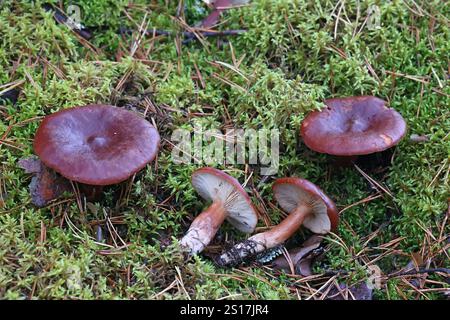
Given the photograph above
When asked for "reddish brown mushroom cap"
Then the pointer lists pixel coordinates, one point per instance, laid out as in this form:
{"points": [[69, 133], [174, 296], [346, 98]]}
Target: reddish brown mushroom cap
{"points": [[96, 144], [353, 126], [292, 192], [213, 184]]}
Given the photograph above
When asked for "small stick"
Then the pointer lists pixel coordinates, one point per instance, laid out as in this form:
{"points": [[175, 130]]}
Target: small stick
{"points": [[187, 34]]}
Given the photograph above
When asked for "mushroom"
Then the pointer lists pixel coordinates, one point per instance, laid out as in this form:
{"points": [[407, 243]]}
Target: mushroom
{"points": [[307, 205], [229, 201], [96, 145], [353, 126]]}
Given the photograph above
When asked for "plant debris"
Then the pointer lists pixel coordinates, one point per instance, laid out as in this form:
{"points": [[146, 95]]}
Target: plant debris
{"points": [[218, 7], [62, 18], [269, 255], [46, 185], [187, 35], [418, 138], [293, 56]]}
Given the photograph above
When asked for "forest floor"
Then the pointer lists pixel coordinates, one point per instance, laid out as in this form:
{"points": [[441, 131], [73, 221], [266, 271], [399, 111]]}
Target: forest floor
{"points": [[294, 54]]}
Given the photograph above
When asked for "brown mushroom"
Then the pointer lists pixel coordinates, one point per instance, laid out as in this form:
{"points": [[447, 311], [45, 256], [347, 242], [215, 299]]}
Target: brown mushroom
{"points": [[307, 205], [96, 145], [229, 201], [353, 126]]}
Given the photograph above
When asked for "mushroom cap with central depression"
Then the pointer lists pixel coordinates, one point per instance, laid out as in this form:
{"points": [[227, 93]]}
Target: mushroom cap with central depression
{"points": [[353, 126], [96, 144], [293, 192], [215, 185]]}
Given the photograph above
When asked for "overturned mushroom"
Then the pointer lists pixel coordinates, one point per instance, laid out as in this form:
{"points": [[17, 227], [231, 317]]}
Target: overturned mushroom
{"points": [[307, 205], [229, 201], [96, 145], [353, 126]]}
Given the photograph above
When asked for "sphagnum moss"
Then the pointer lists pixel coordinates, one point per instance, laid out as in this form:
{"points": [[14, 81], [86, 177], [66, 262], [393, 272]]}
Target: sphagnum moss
{"points": [[295, 54]]}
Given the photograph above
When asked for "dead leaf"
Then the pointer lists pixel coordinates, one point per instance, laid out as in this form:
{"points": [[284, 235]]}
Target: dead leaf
{"points": [[417, 259], [2, 199], [46, 185], [31, 164], [11, 95], [301, 257], [356, 292], [304, 267]]}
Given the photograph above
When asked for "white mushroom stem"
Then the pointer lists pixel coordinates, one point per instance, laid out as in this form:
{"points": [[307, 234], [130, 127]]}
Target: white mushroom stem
{"points": [[266, 240], [204, 228]]}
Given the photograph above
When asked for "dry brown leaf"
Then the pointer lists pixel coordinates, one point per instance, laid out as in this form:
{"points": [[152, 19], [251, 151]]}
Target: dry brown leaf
{"points": [[300, 257], [46, 185]]}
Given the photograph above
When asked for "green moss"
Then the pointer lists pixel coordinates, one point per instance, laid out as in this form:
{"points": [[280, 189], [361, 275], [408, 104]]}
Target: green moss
{"points": [[287, 69]]}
